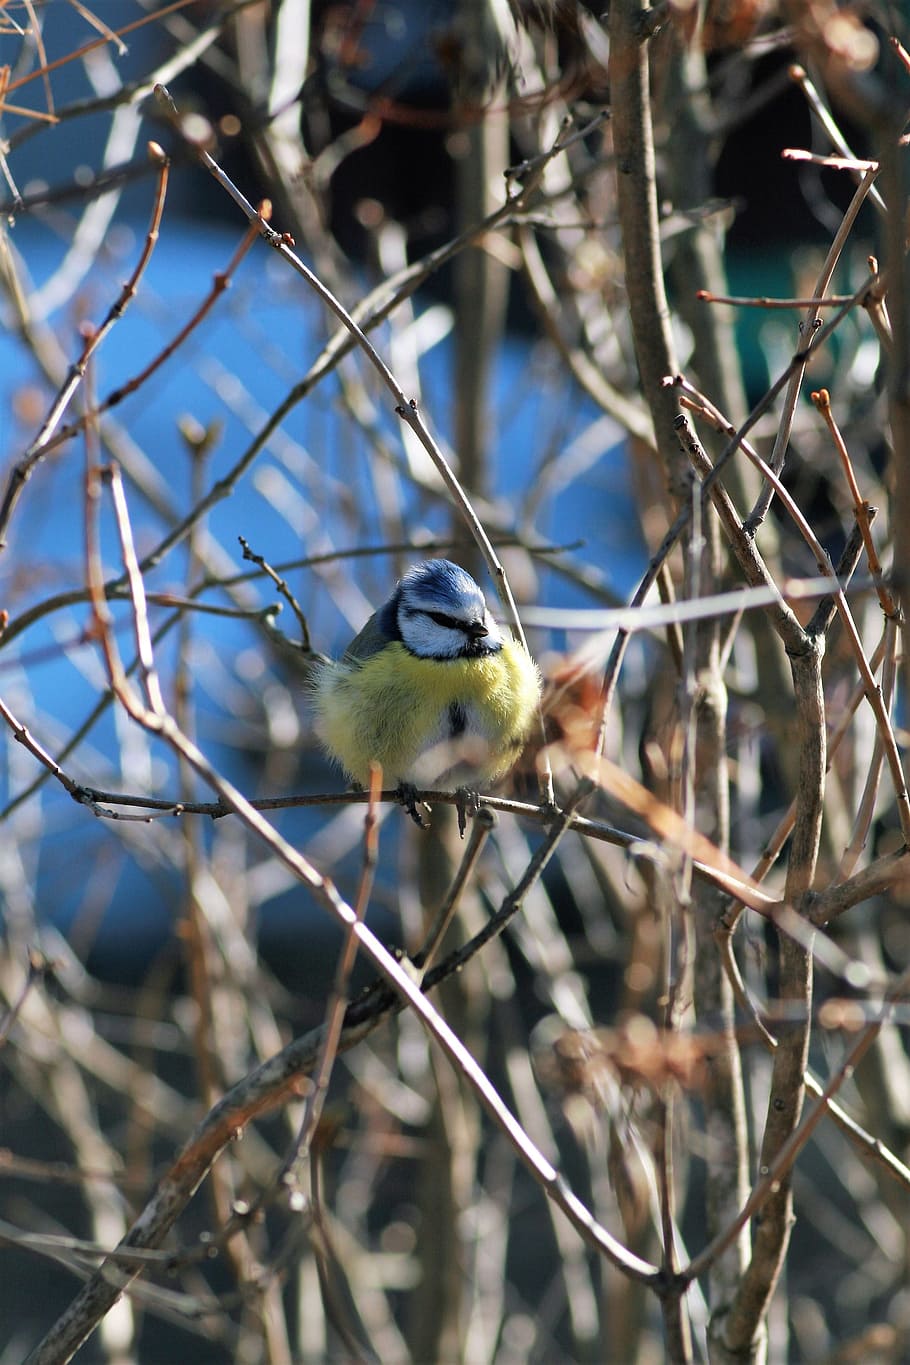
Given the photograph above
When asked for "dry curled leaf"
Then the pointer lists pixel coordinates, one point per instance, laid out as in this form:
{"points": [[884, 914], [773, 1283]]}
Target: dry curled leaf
{"points": [[636, 1053]]}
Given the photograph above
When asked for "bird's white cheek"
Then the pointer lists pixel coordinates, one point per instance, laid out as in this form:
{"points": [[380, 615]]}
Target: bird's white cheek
{"points": [[429, 640]]}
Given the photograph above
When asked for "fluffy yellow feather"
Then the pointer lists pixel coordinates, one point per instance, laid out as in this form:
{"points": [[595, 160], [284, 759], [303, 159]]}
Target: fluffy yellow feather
{"points": [[461, 720]]}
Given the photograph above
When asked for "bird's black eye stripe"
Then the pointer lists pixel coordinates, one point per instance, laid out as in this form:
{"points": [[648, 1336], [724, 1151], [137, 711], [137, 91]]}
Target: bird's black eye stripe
{"points": [[450, 622]]}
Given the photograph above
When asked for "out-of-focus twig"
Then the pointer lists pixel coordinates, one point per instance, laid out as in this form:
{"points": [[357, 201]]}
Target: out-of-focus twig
{"points": [[43, 442]]}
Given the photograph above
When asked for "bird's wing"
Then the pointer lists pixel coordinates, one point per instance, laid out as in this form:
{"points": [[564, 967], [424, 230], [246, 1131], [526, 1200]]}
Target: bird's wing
{"points": [[370, 640]]}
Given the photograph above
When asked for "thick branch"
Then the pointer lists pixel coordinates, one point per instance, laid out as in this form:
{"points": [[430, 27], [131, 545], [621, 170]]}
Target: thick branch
{"points": [[636, 190]]}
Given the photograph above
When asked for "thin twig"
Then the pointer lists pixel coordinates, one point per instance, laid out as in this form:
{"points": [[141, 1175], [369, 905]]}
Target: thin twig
{"points": [[38, 967], [220, 283], [808, 325], [43, 443], [821, 111], [482, 827], [785, 1158]]}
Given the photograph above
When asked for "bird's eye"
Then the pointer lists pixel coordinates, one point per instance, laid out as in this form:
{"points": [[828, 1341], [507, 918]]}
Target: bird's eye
{"points": [[442, 619]]}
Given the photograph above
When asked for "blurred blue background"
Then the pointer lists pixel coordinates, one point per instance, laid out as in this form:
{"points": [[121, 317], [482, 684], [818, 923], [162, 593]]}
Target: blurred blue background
{"points": [[312, 490]]}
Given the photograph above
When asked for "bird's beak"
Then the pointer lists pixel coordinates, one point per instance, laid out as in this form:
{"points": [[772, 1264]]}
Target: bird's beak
{"points": [[477, 630]]}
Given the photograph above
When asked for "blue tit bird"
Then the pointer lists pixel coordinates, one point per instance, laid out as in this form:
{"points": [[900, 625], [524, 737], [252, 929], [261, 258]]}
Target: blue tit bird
{"points": [[432, 689]]}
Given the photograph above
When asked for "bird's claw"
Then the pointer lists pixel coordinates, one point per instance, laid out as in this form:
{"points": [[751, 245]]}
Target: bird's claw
{"points": [[466, 803], [407, 795]]}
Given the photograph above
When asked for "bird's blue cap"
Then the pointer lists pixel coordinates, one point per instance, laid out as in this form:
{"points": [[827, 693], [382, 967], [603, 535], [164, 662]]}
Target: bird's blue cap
{"points": [[446, 583]]}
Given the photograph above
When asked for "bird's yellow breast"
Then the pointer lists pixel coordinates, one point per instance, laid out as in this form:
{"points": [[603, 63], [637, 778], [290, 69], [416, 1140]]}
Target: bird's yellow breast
{"points": [[403, 712]]}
